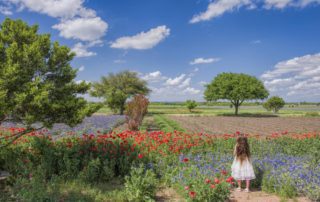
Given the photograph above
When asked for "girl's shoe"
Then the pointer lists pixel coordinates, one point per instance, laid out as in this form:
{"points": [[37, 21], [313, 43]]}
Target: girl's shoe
{"points": [[247, 190], [238, 189]]}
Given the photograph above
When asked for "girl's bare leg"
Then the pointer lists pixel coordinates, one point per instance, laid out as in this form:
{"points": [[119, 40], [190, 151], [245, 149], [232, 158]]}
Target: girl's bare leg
{"points": [[239, 184], [248, 184]]}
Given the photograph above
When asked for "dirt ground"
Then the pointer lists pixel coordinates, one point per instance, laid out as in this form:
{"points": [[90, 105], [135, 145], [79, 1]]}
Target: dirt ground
{"points": [[170, 195], [250, 125]]}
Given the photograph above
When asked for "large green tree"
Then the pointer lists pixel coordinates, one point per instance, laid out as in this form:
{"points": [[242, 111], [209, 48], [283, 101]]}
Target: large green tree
{"points": [[36, 80], [117, 88], [235, 87]]}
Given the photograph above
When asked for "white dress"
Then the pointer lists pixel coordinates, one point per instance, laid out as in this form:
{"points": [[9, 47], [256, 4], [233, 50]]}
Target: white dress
{"points": [[242, 171]]}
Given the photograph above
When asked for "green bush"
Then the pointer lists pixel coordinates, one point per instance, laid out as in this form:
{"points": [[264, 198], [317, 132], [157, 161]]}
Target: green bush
{"points": [[312, 114], [141, 184]]}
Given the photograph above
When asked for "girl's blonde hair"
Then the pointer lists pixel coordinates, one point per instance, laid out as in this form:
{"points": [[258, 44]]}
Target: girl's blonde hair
{"points": [[242, 149]]}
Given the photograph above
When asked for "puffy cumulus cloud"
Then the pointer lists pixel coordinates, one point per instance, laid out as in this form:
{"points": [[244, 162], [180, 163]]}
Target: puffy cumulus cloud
{"points": [[75, 20], [277, 3], [55, 8], [219, 7], [166, 88], [81, 49], [296, 77], [153, 77], [85, 29], [5, 10], [204, 61], [191, 91], [175, 81], [143, 40]]}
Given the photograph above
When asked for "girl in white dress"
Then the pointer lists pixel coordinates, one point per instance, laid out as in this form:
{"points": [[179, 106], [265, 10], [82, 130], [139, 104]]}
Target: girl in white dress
{"points": [[241, 167]]}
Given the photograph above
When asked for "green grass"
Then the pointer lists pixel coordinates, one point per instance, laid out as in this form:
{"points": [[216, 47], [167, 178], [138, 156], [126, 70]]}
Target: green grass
{"points": [[70, 190], [166, 124]]}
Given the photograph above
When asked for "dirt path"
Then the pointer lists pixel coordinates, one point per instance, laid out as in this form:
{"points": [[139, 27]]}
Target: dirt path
{"points": [[259, 196], [170, 195]]}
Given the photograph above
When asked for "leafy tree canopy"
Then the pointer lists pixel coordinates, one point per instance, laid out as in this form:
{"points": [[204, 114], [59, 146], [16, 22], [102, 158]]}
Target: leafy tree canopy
{"points": [[36, 80], [236, 88], [117, 88], [274, 103], [191, 104]]}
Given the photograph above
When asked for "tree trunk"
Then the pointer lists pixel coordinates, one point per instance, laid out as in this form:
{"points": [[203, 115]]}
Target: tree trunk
{"points": [[236, 107], [121, 110]]}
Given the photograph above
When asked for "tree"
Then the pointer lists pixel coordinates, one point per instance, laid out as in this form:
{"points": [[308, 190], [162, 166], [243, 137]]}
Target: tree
{"points": [[117, 88], [236, 88], [191, 104], [274, 103], [36, 80], [136, 109]]}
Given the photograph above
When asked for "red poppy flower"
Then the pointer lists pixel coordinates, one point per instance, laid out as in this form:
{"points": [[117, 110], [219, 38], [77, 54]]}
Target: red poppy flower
{"points": [[216, 180], [192, 194], [140, 156], [186, 188], [207, 181], [212, 186], [185, 160], [224, 172]]}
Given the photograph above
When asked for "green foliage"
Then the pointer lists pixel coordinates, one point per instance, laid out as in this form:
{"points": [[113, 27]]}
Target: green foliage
{"points": [[312, 114], [36, 79], [235, 87], [141, 184], [117, 88], [166, 124], [274, 103], [191, 104]]}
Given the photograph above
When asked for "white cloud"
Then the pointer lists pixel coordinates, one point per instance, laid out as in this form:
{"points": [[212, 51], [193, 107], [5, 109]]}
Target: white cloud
{"points": [[191, 91], [5, 10], [75, 20], [185, 83], [175, 81], [143, 40], [154, 77], [85, 29], [81, 50], [218, 8], [277, 3], [204, 61], [81, 68], [55, 8], [299, 77]]}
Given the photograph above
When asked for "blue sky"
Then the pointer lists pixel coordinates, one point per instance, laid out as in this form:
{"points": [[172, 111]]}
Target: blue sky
{"points": [[178, 46]]}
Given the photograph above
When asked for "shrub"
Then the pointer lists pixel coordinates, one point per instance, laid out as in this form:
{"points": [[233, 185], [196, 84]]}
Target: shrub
{"points": [[191, 104], [274, 103], [141, 184], [137, 108], [312, 114]]}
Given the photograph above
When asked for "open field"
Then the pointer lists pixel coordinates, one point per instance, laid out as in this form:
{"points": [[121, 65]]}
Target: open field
{"points": [[250, 125], [251, 110], [300, 110]]}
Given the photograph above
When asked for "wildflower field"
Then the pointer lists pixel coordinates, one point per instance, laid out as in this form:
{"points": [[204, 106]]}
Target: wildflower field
{"points": [[196, 165]]}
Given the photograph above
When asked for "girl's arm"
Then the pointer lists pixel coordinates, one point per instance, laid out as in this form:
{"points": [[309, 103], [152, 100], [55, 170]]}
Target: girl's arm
{"points": [[235, 150]]}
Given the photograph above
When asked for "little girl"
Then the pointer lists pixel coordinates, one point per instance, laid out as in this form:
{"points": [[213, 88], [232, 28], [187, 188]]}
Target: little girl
{"points": [[241, 167]]}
